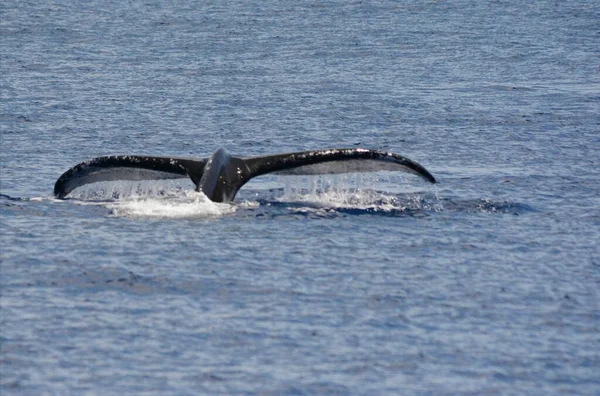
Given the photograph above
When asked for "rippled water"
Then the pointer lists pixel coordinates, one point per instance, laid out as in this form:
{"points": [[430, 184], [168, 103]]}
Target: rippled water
{"points": [[487, 282]]}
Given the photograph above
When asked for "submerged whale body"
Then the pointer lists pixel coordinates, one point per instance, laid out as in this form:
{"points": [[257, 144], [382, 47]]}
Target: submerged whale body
{"points": [[221, 175]]}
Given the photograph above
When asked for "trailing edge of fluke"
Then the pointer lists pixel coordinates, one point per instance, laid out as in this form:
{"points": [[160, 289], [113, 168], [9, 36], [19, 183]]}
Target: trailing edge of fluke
{"points": [[221, 176]]}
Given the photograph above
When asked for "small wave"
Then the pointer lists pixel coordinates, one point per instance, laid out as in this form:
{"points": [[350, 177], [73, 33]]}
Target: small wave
{"points": [[486, 205]]}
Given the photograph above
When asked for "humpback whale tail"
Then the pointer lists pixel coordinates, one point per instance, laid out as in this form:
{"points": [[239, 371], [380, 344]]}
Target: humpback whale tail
{"points": [[221, 175]]}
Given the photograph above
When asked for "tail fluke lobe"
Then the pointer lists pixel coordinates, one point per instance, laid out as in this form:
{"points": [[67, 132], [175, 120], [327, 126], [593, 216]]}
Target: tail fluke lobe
{"points": [[334, 161], [127, 167]]}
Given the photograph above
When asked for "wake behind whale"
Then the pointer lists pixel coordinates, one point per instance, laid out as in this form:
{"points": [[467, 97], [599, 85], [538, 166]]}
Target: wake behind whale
{"points": [[221, 176]]}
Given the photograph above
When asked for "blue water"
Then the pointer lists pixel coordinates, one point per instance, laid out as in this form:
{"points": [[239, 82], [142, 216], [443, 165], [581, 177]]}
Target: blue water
{"points": [[488, 283]]}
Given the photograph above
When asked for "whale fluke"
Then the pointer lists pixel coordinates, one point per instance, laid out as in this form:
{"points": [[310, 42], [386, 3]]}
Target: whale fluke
{"points": [[221, 176], [350, 160]]}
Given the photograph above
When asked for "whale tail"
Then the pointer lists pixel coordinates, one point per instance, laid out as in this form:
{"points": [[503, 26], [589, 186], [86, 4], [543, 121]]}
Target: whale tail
{"points": [[221, 176]]}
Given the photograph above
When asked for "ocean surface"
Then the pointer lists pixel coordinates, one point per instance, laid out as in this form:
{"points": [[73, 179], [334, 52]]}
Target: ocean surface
{"points": [[486, 283]]}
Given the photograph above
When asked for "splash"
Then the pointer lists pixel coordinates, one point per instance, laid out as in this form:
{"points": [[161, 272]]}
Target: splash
{"points": [[187, 204], [360, 191], [150, 200], [329, 194]]}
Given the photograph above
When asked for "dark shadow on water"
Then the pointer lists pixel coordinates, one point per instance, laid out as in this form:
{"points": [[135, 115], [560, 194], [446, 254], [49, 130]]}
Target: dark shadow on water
{"points": [[414, 205], [274, 209]]}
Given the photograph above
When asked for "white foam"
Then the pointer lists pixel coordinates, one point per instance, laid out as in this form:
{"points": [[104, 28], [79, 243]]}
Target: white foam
{"points": [[150, 199], [185, 204]]}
